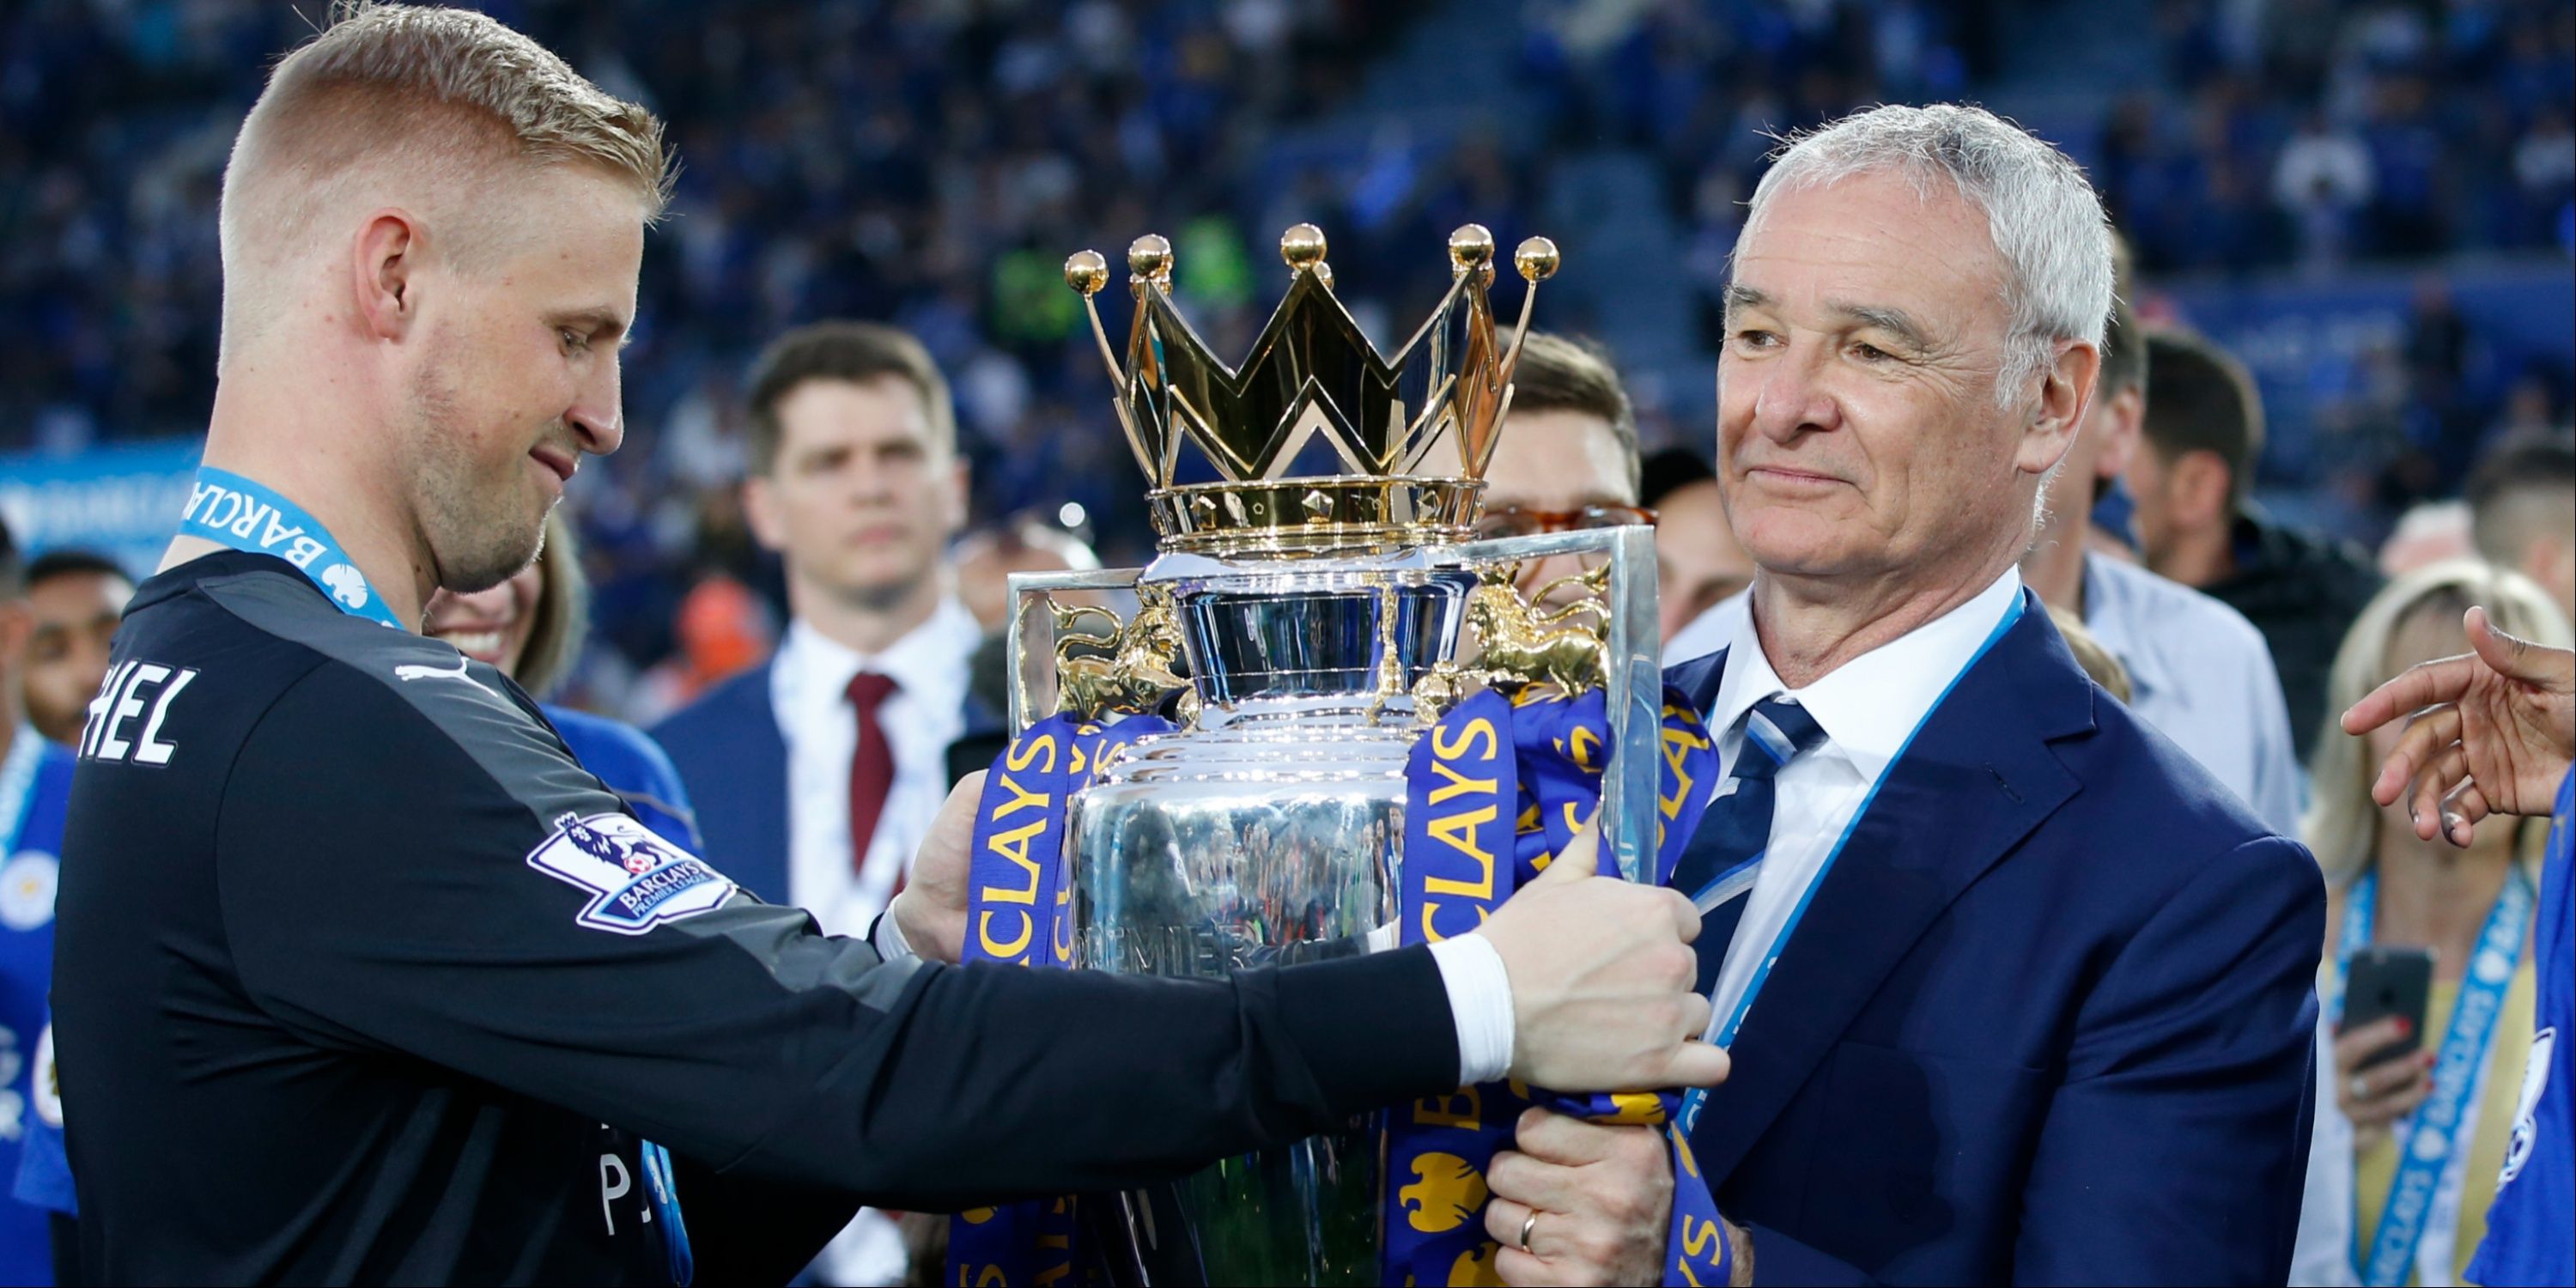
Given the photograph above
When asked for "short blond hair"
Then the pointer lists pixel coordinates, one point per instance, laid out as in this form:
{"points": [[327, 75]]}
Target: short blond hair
{"points": [[434, 93]]}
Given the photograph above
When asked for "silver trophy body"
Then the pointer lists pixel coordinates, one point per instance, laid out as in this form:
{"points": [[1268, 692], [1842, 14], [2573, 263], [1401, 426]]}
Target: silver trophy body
{"points": [[1305, 627], [1270, 830]]}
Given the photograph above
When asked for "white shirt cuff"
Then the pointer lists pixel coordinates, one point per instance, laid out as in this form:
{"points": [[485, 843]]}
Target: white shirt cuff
{"points": [[1480, 1003], [887, 938]]}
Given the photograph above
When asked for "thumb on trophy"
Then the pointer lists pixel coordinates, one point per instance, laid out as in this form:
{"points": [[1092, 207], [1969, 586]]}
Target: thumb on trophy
{"points": [[1580, 859], [930, 911]]}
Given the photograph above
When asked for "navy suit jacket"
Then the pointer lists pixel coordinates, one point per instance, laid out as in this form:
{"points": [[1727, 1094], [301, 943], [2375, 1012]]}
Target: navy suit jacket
{"points": [[733, 759], [2048, 1020]]}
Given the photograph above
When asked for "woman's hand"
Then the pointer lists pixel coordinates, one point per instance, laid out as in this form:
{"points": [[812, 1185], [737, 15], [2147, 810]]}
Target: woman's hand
{"points": [[2377, 1095]]}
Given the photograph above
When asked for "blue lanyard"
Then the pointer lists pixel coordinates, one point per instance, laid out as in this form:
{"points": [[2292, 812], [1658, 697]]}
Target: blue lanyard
{"points": [[1721, 1032], [2428, 1138], [666, 1201], [17, 786], [243, 514]]}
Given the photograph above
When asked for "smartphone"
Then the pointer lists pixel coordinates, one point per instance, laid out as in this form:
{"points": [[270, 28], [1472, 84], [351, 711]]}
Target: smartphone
{"points": [[2384, 980]]}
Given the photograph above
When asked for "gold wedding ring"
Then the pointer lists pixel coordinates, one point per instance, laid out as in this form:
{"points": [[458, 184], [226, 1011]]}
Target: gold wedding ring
{"points": [[1528, 1223]]}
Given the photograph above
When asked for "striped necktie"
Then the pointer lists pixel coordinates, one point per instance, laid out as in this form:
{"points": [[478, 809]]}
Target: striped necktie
{"points": [[1723, 857]]}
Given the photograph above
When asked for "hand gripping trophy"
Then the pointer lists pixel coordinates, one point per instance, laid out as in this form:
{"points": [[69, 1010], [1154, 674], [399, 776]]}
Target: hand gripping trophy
{"points": [[1330, 722]]}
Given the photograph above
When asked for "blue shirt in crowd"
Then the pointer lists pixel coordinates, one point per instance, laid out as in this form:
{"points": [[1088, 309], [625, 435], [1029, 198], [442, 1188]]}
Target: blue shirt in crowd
{"points": [[635, 767], [2202, 675], [35, 786], [2531, 1227]]}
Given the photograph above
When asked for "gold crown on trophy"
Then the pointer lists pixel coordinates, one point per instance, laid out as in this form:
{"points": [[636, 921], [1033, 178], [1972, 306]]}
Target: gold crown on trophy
{"points": [[1413, 432]]}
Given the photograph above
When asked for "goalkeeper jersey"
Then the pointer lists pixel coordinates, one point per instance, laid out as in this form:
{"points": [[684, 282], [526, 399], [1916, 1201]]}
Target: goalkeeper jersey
{"points": [[364, 979]]}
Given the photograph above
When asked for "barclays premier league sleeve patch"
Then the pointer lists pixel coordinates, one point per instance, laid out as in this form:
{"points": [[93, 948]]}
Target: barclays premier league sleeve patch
{"points": [[638, 880]]}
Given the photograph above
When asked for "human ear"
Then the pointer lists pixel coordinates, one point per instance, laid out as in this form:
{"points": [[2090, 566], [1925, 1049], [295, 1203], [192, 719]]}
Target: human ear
{"points": [[384, 264], [17, 625], [2065, 395], [761, 514], [956, 483], [2199, 489]]}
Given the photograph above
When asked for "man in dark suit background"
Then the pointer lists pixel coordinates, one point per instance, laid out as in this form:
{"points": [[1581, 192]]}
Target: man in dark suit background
{"points": [[2015, 992], [818, 772]]}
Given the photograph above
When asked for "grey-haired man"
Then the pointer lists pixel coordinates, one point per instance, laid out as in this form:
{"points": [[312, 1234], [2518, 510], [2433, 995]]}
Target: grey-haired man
{"points": [[2014, 990]]}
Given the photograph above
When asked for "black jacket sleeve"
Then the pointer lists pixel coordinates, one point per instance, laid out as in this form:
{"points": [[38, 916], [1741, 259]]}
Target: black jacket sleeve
{"points": [[744, 1229], [380, 893]]}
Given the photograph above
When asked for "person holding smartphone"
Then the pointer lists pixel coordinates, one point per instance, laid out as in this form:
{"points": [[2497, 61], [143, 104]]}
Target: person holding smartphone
{"points": [[2493, 731], [2429, 975]]}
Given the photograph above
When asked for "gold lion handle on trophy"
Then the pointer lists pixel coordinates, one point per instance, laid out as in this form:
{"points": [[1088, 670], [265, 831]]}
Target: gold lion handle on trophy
{"points": [[1525, 644], [1127, 668]]}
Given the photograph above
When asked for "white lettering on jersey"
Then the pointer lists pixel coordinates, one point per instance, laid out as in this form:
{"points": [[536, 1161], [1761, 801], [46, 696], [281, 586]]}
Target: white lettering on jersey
{"points": [[129, 704], [129, 687], [149, 749], [614, 1182], [98, 706]]}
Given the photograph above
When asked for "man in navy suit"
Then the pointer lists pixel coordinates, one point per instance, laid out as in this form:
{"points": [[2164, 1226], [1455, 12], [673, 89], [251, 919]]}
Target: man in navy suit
{"points": [[854, 481], [2015, 992], [817, 774]]}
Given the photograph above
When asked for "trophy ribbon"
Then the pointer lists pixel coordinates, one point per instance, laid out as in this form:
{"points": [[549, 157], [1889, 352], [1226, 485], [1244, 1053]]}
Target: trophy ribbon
{"points": [[1544, 753], [1018, 913]]}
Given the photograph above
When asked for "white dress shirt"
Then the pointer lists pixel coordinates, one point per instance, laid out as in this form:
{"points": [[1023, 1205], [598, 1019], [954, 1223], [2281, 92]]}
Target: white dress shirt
{"points": [[2202, 676], [1869, 708], [2199, 674], [808, 689], [1712, 630]]}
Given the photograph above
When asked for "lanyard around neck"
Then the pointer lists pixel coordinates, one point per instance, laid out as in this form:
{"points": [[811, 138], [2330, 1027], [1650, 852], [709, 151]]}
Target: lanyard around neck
{"points": [[2428, 1140], [245, 514]]}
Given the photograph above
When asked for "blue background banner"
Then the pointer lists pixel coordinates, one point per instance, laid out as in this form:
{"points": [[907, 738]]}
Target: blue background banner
{"points": [[122, 502]]}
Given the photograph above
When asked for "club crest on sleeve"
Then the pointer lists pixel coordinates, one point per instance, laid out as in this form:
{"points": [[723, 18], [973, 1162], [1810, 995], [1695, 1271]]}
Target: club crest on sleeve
{"points": [[637, 879]]}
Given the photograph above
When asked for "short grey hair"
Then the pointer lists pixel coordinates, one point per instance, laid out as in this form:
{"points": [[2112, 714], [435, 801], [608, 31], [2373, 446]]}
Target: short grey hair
{"points": [[2046, 220]]}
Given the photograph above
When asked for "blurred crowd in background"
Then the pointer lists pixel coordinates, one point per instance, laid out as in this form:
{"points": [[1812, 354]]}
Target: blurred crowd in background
{"points": [[931, 162]]}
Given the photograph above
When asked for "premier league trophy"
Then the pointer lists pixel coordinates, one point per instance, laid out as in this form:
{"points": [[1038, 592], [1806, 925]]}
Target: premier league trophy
{"points": [[1247, 746]]}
